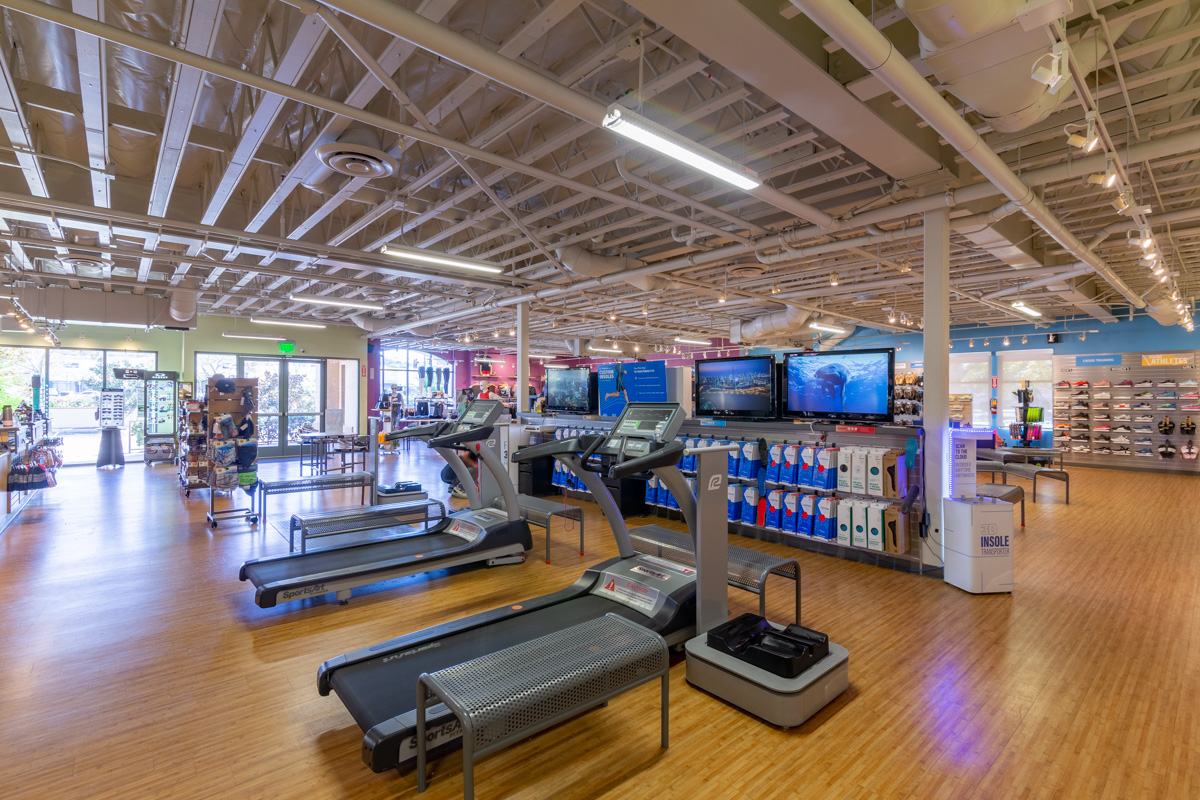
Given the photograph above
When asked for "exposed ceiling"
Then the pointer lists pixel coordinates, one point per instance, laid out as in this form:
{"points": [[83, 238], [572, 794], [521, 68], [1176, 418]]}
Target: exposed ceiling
{"points": [[293, 142]]}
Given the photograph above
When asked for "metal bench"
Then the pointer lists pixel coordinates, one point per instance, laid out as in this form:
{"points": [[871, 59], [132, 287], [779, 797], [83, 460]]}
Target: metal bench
{"points": [[1033, 473], [1010, 493], [313, 483], [317, 524], [748, 569], [506, 696], [539, 511]]}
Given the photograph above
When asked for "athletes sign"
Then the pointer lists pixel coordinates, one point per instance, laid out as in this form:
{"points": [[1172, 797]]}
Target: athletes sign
{"points": [[1167, 360]]}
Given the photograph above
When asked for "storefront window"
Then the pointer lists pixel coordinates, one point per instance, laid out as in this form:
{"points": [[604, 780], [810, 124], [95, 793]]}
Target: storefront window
{"points": [[416, 373]]}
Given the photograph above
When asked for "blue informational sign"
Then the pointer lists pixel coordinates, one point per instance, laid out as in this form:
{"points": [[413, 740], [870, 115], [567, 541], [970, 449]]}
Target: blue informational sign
{"points": [[635, 381], [1097, 361]]}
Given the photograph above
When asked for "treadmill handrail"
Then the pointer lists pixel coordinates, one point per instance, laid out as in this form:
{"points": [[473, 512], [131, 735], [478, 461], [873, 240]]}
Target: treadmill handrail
{"points": [[416, 432], [455, 438], [554, 447]]}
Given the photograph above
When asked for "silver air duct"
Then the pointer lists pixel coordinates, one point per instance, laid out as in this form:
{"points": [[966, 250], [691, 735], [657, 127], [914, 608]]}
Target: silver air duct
{"points": [[593, 265]]}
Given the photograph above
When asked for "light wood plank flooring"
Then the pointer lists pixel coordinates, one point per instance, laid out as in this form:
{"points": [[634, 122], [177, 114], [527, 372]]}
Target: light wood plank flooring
{"points": [[136, 665]]}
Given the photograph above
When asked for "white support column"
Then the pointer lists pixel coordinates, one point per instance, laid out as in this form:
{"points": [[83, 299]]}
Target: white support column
{"points": [[522, 390], [937, 368]]}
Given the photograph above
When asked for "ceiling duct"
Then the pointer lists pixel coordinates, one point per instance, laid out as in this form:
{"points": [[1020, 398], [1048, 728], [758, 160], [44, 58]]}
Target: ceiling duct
{"points": [[373, 324], [1160, 308], [357, 153], [983, 56], [788, 322], [182, 306], [593, 265], [88, 306], [77, 263]]}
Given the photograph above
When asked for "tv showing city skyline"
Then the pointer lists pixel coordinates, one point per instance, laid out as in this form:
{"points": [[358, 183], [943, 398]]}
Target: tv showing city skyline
{"points": [[740, 387]]}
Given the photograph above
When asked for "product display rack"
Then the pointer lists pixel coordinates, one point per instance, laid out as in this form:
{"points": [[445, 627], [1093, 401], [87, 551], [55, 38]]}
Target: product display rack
{"points": [[160, 396], [231, 403], [193, 441], [1094, 416], [908, 393]]}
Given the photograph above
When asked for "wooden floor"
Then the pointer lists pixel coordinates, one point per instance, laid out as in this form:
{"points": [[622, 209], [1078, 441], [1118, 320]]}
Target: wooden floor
{"points": [[135, 665]]}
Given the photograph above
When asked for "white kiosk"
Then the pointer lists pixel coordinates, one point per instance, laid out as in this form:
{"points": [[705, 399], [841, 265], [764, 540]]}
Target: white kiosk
{"points": [[977, 531]]}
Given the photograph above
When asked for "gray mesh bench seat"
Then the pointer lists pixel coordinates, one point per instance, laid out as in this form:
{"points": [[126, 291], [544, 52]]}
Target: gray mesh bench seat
{"points": [[317, 524], [506, 696], [748, 569], [1033, 472], [1008, 492], [314, 483], [539, 511]]}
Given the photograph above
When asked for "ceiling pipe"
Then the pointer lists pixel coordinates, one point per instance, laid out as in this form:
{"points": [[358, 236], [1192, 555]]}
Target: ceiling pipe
{"points": [[875, 52], [425, 33], [184, 298], [777, 322], [593, 265], [1056, 278]]}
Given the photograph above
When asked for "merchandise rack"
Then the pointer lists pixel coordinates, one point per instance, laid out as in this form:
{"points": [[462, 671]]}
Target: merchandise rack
{"points": [[219, 403], [1130, 368]]}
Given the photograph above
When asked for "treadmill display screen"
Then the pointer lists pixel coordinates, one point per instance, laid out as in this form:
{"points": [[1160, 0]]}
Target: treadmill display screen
{"points": [[644, 423], [476, 414]]}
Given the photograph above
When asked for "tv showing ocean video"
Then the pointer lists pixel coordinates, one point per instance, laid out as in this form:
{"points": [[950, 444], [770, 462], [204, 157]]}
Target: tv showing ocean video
{"points": [[854, 385], [567, 390], [736, 387]]}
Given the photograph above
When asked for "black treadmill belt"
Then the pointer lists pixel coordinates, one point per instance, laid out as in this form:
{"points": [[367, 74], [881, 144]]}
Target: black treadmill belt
{"points": [[360, 556], [386, 686]]}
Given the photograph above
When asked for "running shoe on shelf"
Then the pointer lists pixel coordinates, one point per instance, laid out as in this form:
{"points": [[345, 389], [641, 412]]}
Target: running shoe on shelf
{"points": [[1166, 396], [1142, 395], [1165, 384], [1143, 384], [1083, 395], [1120, 440], [1125, 383], [1121, 451], [1082, 448], [1142, 407], [1122, 429], [1102, 396], [1101, 384], [1167, 407], [1080, 383], [1063, 385], [1104, 451], [1146, 452], [1189, 382], [1142, 440]]}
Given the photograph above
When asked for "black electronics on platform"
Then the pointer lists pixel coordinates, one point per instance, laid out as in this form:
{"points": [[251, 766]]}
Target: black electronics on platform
{"points": [[572, 391], [841, 386], [741, 387]]}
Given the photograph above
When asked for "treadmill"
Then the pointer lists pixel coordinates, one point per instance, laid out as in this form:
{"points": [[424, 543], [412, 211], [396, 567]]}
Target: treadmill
{"points": [[378, 684], [470, 536]]}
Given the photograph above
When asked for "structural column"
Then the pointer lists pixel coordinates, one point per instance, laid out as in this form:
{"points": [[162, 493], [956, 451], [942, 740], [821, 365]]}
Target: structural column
{"points": [[522, 390], [937, 368]]}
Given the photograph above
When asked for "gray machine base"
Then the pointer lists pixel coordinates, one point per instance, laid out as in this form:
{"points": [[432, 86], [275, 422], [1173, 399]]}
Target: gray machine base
{"points": [[780, 701]]}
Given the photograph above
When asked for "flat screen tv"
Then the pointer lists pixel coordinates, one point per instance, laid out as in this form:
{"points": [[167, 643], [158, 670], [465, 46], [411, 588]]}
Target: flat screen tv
{"points": [[739, 388], [849, 386], [571, 391]]}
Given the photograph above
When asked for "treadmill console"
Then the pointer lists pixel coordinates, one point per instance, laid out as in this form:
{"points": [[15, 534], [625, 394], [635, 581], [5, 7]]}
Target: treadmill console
{"points": [[475, 423], [640, 427]]}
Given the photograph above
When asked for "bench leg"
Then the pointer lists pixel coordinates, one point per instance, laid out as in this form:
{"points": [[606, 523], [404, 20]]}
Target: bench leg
{"points": [[580, 533], [1022, 512], [1067, 486], [666, 724], [1035, 487], [547, 541], [798, 622], [468, 740]]}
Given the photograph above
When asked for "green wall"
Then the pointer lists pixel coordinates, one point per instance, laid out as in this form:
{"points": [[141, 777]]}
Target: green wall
{"points": [[176, 350]]}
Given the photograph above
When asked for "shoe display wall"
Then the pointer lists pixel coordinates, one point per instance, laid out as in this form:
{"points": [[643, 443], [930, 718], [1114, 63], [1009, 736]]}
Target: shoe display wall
{"points": [[1133, 400]]}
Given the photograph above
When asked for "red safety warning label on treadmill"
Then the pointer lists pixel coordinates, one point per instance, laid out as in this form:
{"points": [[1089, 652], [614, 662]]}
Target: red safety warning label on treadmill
{"points": [[629, 592]]}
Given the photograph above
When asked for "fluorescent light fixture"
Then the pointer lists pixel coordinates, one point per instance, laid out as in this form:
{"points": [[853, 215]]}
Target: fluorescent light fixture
{"points": [[266, 337], [821, 326], [1019, 305], [488, 360], [286, 323], [321, 300], [438, 259], [557, 366], [701, 342], [595, 349], [624, 122]]}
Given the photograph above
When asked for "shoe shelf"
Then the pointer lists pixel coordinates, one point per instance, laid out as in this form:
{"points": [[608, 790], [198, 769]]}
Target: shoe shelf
{"points": [[1140, 413]]}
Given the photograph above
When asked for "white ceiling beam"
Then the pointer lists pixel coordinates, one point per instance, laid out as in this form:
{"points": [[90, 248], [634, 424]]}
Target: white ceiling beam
{"points": [[93, 95], [201, 22], [295, 61]]}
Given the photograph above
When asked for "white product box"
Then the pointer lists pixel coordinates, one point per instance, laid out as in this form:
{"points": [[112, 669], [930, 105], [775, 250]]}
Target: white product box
{"points": [[858, 522], [875, 471], [875, 512], [858, 471], [845, 464]]}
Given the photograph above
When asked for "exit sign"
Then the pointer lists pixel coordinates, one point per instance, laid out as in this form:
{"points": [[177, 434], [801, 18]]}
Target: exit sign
{"points": [[287, 347]]}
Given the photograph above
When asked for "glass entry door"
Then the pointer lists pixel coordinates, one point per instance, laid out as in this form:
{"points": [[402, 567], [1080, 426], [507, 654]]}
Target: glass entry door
{"points": [[290, 399]]}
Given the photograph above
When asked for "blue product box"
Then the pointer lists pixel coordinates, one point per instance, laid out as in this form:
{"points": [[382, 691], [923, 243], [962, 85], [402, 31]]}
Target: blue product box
{"points": [[664, 495], [774, 462], [825, 525], [804, 470], [735, 459], [688, 462], [825, 474], [733, 503], [558, 477], [652, 491], [791, 512], [774, 518], [750, 505], [808, 512], [749, 463], [789, 470]]}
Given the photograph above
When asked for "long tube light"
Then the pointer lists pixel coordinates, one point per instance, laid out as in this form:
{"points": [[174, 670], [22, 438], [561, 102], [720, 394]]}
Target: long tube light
{"points": [[557, 366], [624, 122], [595, 349], [266, 337], [286, 323], [1019, 305], [321, 300], [821, 326], [702, 342], [438, 260]]}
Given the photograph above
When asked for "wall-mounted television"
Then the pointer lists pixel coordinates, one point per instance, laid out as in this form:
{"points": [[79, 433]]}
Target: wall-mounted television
{"points": [[571, 391], [742, 387], [851, 385]]}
